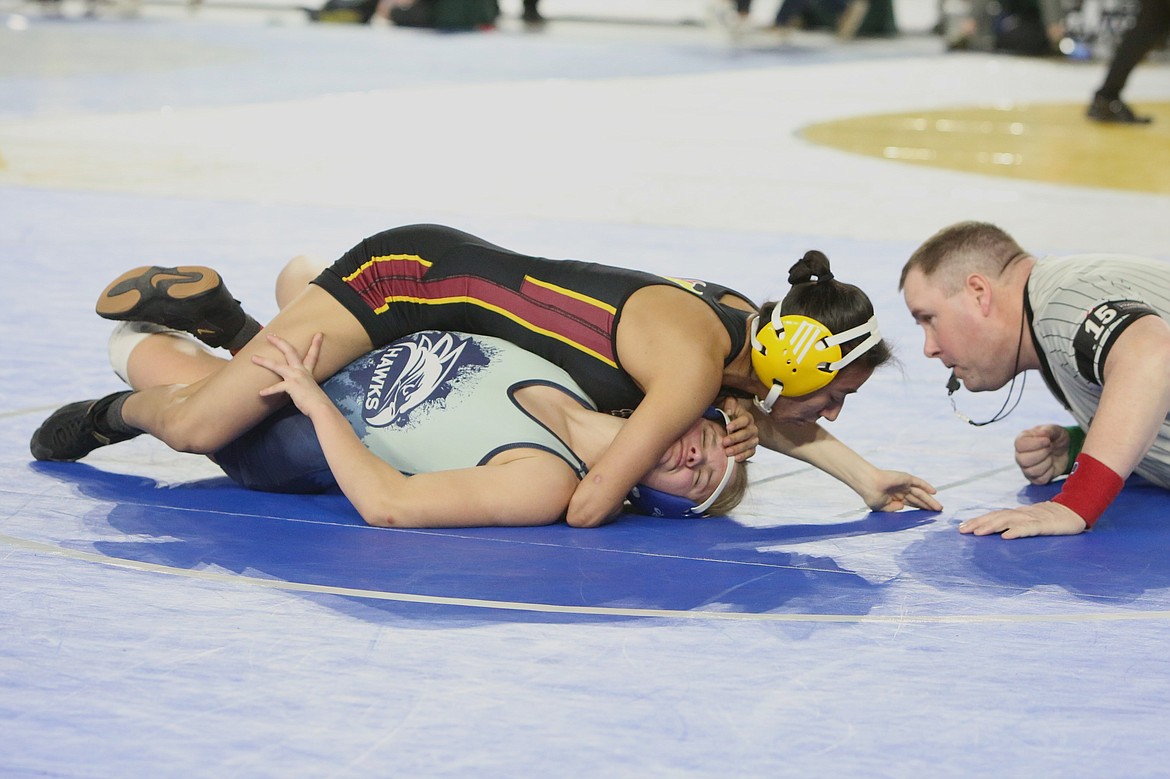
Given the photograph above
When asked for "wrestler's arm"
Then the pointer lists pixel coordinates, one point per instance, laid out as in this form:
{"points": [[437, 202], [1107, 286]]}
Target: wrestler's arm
{"points": [[659, 420], [532, 488], [743, 435], [529, 488], [1135, 400], [882, 490], [678, 362]]}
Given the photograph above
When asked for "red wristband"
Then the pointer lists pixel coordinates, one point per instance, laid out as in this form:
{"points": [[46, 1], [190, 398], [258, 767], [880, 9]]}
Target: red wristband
{"points": [[1090, 488]]}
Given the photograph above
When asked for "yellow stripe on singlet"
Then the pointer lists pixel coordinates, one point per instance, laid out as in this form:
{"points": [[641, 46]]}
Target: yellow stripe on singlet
{"points": [[572, 294], [690, 285], [385, 258], [502, 312]]}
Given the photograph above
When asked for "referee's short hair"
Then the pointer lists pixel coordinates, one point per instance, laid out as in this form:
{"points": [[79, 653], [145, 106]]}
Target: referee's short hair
{"points": [[965, 247]]}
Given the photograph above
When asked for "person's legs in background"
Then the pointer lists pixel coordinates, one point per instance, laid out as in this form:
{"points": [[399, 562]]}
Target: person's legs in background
{"points": [[1149, 29], [531, 14]]}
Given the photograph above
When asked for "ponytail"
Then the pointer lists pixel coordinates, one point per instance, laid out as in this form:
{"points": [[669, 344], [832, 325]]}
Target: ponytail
{"points": [[838, 306], [813, 267]]}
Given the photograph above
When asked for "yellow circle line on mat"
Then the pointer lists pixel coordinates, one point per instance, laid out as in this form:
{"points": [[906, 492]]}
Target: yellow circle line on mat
{"points": [[548, 608], [1055, 144]]}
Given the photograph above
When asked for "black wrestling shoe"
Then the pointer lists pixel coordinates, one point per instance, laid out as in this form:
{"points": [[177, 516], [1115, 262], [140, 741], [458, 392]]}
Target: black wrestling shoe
{"points": [[71, 433], [189, 298], [1102, 109]]}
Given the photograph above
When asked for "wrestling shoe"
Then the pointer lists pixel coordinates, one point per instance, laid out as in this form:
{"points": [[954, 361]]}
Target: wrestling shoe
{"points": [[1102, 109], [71, 433], [190, 298]]}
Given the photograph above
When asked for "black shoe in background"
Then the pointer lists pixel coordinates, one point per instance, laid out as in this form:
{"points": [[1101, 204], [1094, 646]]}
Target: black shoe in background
{"points": [[1103, 109]]}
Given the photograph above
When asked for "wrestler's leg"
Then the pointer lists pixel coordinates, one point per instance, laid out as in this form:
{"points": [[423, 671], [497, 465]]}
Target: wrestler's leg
{"points": [[204, 416], [295, 276], [147, 355]]}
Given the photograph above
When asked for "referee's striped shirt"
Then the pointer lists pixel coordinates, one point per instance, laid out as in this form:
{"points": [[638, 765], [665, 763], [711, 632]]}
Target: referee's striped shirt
{"points": [[1080, 305]]}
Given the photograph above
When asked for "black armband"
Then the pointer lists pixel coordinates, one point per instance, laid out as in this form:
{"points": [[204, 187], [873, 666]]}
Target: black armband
{"points": [[1099, 331]]}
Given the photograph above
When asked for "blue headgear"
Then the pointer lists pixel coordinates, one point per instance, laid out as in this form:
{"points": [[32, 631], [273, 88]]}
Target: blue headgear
{"points": [[656, 503]]}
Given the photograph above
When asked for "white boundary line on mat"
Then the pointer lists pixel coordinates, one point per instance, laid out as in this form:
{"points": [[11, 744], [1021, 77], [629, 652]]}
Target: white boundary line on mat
{"points": [[547, 608]]}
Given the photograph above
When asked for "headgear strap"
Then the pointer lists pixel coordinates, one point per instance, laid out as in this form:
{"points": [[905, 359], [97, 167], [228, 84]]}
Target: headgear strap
{"points": [[656, 503], [761, 359]]}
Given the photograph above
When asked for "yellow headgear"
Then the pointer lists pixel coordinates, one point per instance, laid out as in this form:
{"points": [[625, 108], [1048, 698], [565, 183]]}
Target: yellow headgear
{"points": [[796, 355]]}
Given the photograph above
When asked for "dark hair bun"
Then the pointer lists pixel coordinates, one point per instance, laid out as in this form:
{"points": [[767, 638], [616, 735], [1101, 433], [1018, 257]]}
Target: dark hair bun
{"points": [[814, 264]]}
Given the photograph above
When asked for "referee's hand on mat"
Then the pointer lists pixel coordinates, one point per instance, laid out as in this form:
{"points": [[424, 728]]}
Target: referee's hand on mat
{"points": [[1039, 519]]}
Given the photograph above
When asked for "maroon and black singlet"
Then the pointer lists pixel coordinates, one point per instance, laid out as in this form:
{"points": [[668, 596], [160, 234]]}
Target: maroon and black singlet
{"points": [[430, 277]]}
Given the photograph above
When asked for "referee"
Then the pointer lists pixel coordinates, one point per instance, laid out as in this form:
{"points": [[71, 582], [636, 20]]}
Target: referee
{"points": [[1094, 325]]}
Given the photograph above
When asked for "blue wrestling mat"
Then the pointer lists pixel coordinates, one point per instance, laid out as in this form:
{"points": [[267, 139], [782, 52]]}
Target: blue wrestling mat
{"points": [[248, 608], [139, 583], [638, 567], [157, 620]]}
